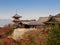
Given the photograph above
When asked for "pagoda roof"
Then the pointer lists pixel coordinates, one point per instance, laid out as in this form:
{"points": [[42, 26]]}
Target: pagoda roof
{"points": [[17, 16], [16, 20]]}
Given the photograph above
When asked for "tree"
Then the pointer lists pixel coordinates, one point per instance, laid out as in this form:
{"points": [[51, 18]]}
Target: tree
{"points": [[54, 35]]}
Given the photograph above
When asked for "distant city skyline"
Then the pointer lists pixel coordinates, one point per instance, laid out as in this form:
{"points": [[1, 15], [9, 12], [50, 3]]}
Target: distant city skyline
{"points": [[29, 9]]}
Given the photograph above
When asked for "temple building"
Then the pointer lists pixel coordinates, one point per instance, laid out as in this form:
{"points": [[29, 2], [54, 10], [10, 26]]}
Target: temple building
{"points": [[46, 21], [17, 23], [16, 18], [41, 22], [50, 20]]}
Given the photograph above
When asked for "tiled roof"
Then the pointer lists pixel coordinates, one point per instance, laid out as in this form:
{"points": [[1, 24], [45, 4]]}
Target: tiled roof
{"points": [[57, 19], [57, 15], [27, 21], [36, 23], [16, 20], [16, 15], [43, 19]]}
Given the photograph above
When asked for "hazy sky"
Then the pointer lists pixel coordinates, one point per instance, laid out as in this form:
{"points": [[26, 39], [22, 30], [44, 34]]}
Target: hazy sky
{"points": [[29, 9]]}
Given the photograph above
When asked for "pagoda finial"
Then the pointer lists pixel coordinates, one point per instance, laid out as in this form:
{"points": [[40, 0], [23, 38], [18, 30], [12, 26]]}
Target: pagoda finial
{"points": [[16, 11]]}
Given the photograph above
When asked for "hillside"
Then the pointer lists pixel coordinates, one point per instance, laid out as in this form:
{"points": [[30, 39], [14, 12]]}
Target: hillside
{"points": [[22, 36]]}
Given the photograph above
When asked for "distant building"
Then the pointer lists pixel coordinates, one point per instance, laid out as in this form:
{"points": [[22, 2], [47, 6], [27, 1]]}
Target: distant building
{"points": [[41, 22], [50, 20], [20, 23], [16, 21], [16, 18]]}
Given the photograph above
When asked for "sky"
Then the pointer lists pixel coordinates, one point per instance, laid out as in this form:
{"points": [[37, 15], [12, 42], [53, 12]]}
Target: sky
{"points": [[29, 9]]}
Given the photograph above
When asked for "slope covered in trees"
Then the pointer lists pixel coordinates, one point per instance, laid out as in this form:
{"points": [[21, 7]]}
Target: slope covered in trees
{"points": [[54, 35]]}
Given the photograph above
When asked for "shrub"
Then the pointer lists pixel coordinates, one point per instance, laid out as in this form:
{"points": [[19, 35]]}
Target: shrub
{"points": [[54, 35]]}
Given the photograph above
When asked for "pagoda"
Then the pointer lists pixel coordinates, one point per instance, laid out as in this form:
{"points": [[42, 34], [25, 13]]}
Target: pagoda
{"points": [[16, 20]]}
